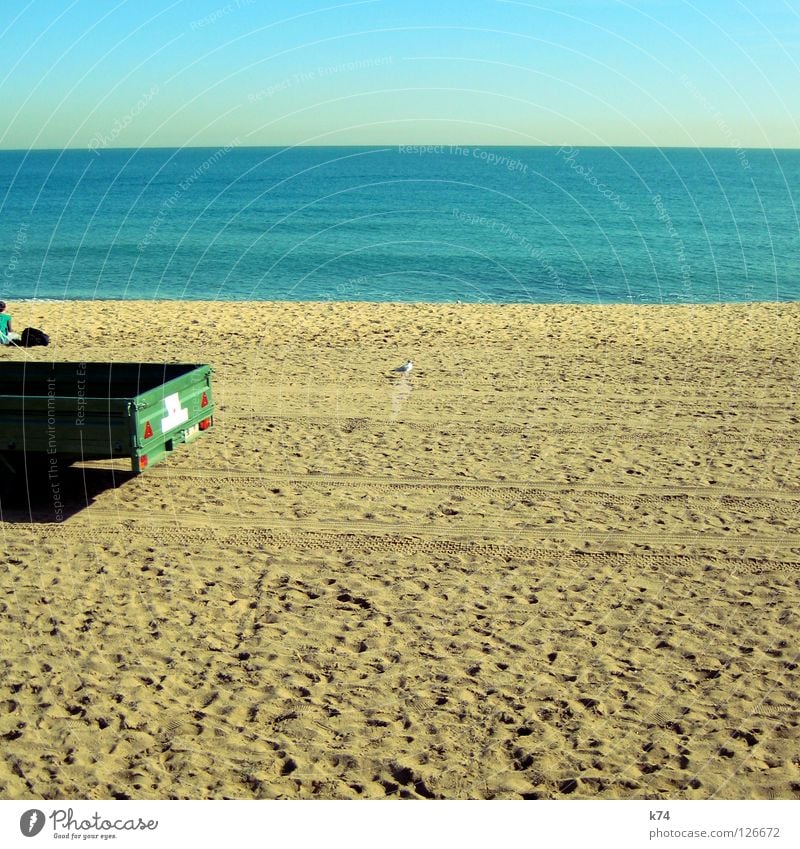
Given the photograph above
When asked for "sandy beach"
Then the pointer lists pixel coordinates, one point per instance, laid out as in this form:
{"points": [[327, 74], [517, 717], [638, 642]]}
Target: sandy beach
{"points": [[560, 559]]}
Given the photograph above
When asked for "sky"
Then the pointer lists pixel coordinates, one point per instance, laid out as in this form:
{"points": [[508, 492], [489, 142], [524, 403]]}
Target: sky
{"points": [[208, 73]]}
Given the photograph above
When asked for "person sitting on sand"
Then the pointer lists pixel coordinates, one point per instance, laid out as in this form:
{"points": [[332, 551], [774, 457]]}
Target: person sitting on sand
{"points": [[7, 334]]}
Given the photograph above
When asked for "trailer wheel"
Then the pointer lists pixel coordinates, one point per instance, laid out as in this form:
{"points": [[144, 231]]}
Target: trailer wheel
{"points": [[23, 478], [8, 478]]}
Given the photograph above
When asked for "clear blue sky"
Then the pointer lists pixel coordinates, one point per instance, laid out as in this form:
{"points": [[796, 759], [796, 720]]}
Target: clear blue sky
{"points": [[211, 72]]}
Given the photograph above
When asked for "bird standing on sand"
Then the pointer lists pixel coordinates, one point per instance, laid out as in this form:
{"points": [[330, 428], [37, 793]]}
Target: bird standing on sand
{"points": [[405, 368]]}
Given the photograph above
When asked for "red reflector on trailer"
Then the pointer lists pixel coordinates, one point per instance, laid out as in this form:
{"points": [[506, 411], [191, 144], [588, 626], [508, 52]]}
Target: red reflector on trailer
{"points": [[143, 461], [204, 400], [205, 424], [148, 431]]}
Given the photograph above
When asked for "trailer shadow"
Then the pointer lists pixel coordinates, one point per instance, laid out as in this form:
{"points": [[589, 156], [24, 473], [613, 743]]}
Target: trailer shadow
{"points": [[42, 501]]}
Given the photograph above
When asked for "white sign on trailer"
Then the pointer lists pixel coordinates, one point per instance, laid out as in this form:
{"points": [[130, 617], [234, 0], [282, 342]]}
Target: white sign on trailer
{"points": [[176, 415]]}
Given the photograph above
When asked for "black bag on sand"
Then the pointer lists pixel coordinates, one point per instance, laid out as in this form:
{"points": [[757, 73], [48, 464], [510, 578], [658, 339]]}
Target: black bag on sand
{"points": [[30, 337]]}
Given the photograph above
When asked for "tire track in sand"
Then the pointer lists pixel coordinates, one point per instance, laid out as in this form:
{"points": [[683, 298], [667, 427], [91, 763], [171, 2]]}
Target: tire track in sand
{"points": [[132, 519], [676, 436], [352, 537], [772, 502], [245, 476]]}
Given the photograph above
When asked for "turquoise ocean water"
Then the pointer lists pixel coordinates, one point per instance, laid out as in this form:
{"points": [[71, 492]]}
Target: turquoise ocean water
{"points": [[541, 225]]}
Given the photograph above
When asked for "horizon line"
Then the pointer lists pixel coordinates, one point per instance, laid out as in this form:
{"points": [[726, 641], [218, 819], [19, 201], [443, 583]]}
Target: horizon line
{"points": [[96, 150]]}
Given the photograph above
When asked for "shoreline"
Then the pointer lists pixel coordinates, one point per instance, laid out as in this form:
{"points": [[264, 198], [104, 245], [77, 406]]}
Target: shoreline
{"points": [[533, 304]]}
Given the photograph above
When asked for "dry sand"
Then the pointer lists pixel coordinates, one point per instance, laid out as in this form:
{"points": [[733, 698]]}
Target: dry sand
{"points": [[560, 560]]}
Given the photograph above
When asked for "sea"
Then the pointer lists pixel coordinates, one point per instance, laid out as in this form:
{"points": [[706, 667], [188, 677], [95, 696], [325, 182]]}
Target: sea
{"points": [[410, 223]]}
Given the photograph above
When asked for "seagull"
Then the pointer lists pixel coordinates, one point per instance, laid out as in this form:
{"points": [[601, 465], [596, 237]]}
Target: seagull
{"points": [[405, 368]]}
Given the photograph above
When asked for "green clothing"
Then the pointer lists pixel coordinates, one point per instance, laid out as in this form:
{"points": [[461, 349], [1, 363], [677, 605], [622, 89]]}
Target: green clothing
{"points": [[5, 320]]}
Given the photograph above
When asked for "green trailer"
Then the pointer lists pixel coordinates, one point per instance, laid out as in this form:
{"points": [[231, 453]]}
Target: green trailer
{"points": [[58, 413]]}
